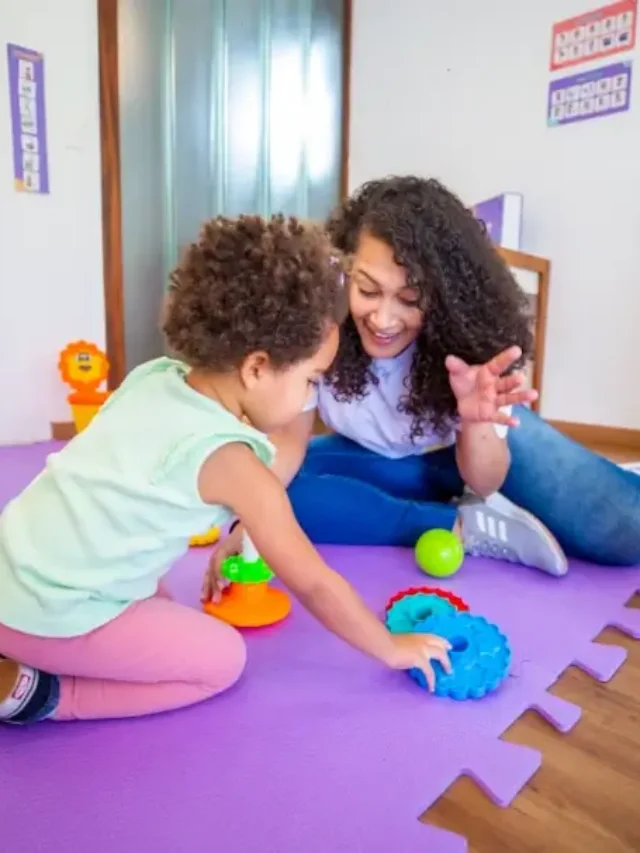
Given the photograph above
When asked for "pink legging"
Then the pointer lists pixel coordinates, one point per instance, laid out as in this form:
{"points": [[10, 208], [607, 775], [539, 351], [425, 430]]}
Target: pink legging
{"points": [[157, 656]]}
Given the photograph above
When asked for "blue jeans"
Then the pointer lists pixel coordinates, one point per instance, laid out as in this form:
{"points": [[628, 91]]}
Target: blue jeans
{"points": [[345, 494]]}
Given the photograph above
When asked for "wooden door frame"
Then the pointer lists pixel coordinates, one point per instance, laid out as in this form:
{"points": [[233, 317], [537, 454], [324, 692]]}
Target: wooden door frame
{"points": [[542, 268], [111, 188], [111, 175], [347, 41]]}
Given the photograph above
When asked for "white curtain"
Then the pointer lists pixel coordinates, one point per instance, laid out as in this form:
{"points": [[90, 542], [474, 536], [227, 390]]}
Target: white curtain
{"points": [[226, 106], [254, 102]]}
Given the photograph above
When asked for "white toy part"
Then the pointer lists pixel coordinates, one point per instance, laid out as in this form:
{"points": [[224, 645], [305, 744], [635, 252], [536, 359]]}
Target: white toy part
{"points": [[249, 551]]}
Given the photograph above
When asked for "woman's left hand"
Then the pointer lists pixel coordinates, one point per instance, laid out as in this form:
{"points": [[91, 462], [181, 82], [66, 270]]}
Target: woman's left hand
{"points": [[482, 391]]}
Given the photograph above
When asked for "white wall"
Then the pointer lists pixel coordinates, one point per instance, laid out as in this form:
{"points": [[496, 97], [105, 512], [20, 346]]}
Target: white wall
{"points": [[457, 90], [51, 287]]}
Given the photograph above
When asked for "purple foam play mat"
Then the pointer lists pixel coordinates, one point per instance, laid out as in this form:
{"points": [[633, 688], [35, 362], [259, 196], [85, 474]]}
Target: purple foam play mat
{"points": [[317, 749]]}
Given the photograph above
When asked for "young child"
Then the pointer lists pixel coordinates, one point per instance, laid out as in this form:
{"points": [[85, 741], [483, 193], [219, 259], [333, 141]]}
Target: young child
{"points": [[86, 631]]}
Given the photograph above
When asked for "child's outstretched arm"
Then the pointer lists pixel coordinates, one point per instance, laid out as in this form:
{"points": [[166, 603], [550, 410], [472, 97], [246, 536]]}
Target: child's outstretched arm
{"points": [[291, 444], [234, 477]]}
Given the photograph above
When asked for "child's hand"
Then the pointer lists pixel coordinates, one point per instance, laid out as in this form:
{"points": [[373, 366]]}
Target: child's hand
{"points": [[214, 584], [418, 650], [233, 476]]}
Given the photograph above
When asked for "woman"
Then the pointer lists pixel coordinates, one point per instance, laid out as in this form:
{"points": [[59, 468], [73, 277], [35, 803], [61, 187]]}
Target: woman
{"points": [[419, 403]]}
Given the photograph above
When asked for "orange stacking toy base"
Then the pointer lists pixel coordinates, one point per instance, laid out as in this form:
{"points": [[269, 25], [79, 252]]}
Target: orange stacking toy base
{"points": [[250, 605]]}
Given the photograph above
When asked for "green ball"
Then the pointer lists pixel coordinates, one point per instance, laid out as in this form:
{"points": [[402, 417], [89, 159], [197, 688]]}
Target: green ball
{"points": [[439, 553]]}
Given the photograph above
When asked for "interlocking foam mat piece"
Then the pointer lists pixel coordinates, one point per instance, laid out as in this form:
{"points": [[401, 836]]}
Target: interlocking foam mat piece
{"points": [[317, 749]]}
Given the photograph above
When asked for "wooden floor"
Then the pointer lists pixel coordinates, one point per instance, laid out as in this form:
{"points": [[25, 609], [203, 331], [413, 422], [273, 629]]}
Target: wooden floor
{"points": [[586, 796]]}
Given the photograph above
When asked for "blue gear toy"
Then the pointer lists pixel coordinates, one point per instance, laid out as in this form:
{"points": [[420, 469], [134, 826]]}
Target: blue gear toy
{"points": [[480, 656], [405, 614]]}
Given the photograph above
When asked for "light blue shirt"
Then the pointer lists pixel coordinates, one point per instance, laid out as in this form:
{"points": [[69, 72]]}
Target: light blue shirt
{"points": [[375, 422]]}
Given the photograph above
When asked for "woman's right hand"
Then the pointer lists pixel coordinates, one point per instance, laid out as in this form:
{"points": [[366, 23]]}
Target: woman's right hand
{"points": [[214, 583], [417, 651]]}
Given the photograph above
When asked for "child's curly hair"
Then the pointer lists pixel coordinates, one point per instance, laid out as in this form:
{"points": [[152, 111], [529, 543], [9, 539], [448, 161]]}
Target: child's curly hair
{"points": [[251, 284], [473, 306]]}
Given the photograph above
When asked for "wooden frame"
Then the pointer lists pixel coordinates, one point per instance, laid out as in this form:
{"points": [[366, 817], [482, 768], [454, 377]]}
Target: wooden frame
{"points": [[111, 190], [542, 268], [347, 38]]}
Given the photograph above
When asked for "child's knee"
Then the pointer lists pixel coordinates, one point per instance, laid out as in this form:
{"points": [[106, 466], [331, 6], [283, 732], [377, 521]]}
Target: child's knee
{"points": [[235, 656], [226, 660]]}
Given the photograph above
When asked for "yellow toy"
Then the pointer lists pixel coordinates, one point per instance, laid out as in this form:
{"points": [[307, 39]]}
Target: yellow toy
{"points": [[84, 368], [203, 539]]}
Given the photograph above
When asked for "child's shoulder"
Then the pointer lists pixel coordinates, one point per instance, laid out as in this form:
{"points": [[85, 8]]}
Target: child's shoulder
{"points": [[144, 375], [155, 406], [155, 367]]}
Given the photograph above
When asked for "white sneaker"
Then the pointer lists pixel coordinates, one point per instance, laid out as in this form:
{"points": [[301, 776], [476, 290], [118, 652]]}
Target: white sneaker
{"points": [[17, 686], [499, 529]]}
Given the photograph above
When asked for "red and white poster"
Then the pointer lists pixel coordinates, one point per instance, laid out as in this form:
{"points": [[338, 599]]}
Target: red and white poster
{"points": [[597, 34]]}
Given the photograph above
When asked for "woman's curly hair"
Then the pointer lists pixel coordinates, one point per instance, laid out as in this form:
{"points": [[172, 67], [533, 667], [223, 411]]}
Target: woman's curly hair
{"points": [[473, 306], [251, 284]]}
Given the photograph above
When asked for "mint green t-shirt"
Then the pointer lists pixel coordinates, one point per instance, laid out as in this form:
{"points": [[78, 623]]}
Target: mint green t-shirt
{"points": [[110, 513]]}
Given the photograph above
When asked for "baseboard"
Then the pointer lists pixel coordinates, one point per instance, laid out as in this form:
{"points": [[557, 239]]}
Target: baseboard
{"points": [[593, 435], [63, 431]]}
